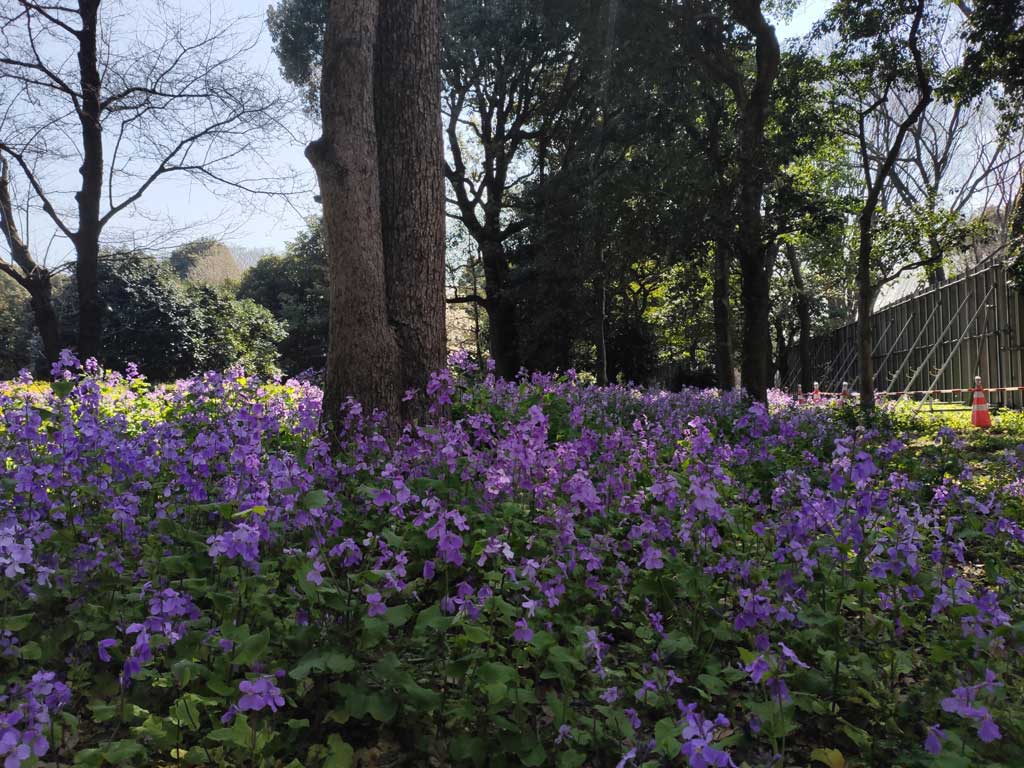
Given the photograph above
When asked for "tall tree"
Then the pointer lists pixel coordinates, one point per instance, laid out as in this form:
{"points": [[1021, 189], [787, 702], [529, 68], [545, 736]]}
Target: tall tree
{"points": [[880, 51], [128, 109], [26, 272], [379, 166], [752, 91], [994, 61], [509, 68]]}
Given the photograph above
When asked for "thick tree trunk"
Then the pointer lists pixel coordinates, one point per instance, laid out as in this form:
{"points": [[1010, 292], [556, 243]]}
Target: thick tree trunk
{"points": [[87, 239], [757, 339], [751, 250], [501, 310], [362, 349], [723, 317], [408, 118], [803, 313], [40, 288]]}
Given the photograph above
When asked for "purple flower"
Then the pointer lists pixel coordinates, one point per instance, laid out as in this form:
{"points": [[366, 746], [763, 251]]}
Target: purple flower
{"points": [[933, 741], [788, 653], [651, 558], [316, 573], [757, 669], [103, 648], [988, 731], [610, 695], [523, 633], [377, 606], [259, 694]]}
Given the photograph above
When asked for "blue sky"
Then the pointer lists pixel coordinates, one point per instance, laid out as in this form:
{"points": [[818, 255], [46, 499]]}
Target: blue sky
{"points": [[197, 211]]}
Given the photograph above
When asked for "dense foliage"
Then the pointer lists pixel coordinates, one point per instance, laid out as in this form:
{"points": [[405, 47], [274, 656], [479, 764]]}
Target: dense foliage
{"points": [[542, 573], [294, 288], [15, 329], [171, 328]]}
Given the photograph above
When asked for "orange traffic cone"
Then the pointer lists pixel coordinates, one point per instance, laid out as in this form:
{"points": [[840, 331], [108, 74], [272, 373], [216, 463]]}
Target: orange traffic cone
{"points": [[980, 416]]}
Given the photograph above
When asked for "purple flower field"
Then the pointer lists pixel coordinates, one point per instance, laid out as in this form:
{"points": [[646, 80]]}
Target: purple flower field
{"points": [[543, 574]]}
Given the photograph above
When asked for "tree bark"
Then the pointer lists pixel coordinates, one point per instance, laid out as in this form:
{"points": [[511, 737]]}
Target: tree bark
{"points": [[90, 193], [407, 101], [865, 300], [723, 317], [751, 250], [501, 310], [40, 288], [602, 327], [362, 349], [757, 340], [34, 278], [803, 313], [781, 351], [867, 289]]}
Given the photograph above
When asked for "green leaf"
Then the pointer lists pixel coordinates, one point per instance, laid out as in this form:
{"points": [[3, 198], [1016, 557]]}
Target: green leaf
{"points": [[238, 734], [476, 634], [185, 712], [121, 752], [712, 684], [431, 619], [398, 615], [243, 513], [16, 623], [666, 735], [495, 672], [340, 754], [331, 661], [466, 747], [89, 758], [31, 651], [315, 499], [833, 758], [252, 648], [381, 706], [676, 643]]}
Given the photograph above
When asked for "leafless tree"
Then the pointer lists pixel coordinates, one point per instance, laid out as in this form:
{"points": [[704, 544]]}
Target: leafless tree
{"points": [[955, 158], [124, 94]]}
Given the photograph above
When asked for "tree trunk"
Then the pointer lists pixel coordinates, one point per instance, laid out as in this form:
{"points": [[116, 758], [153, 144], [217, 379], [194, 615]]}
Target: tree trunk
{"points": [[757, 339], [781, 351], [87, 238], [1015, 237], [803, 313], [865, 300], [407, 105], [40, 288], [35, 279], [751, 250], [602, 322], [501, 310], [362, 349], [723, 317]]}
